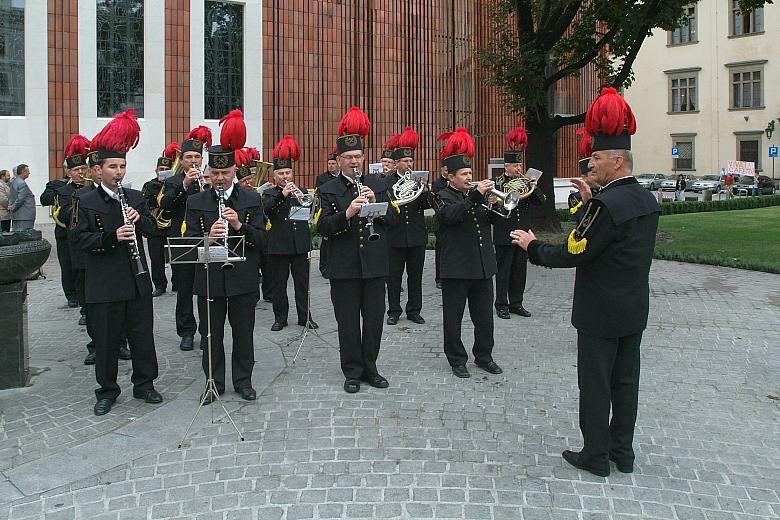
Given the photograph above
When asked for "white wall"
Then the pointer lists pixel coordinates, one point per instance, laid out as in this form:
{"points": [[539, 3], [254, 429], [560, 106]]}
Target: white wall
{"points": [[24, 139], [142, 160], [714, 125], [253, 71]]}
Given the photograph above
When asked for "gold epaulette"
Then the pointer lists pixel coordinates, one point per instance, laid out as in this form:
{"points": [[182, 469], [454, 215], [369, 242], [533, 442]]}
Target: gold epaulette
{"points": [[395, 205], [573, 209], [578, 242]]}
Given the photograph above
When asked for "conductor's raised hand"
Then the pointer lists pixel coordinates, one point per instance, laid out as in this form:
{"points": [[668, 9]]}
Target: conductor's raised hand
{"points": [[522, 238], [584, 189]]}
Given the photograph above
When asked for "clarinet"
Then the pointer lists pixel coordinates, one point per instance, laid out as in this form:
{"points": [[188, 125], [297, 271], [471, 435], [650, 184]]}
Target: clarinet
{"points": [[132, 244], [372, 235], [221, 209]]}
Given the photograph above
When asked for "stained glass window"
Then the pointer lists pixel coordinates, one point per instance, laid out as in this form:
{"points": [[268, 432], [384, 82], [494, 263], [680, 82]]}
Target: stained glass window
{"points": [[11, 57], [120, 56], [223, 58]]}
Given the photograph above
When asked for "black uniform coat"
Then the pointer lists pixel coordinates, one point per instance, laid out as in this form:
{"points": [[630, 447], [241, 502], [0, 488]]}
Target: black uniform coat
{"points": [[58, 193], [77, 257], [47, 197], [350, 253], [201, 215], [174, 199], [110, 275], [323, 178], [151, 189], [464, 236], [520, 218], [410, 230], [611, 290], [286, 237]]}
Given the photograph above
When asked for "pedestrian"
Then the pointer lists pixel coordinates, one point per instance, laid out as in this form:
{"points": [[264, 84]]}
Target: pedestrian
{"points": [[612, 249], [5, 205], [22, 200], [729, 185]]}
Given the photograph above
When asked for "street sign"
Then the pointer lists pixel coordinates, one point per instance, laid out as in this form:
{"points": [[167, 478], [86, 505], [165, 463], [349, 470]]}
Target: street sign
{"points": [[675, 153], [773, 151]]}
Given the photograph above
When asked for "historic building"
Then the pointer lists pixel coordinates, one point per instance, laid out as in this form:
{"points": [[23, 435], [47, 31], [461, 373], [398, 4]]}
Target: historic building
{"points": [[705, 90], [292, 67]]}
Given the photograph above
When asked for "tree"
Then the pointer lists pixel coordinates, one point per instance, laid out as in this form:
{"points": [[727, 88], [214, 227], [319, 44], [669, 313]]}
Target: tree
{"points": [[537, 43]]}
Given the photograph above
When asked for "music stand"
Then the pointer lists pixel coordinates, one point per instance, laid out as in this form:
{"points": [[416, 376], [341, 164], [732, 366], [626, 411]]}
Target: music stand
{"points": [[197, 250], [307, 326]]}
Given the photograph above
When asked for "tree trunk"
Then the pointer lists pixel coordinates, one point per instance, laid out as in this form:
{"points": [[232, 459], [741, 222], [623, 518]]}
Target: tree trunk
{"points": [[541, 154]]}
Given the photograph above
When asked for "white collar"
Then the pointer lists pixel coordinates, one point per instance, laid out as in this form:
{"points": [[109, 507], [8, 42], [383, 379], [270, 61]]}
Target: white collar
{"points": [[350, 179], [615, 180], [110, 193], [228, 192]]}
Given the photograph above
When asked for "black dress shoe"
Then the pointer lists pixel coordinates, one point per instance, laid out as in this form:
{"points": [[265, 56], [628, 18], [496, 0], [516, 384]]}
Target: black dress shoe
{"points": [[520, 311], [204, 343], [392, 320], [573, 458], [351, 386], [278, 325], [266, 299], [124, 353], [103, 406], [248, 393], [150, 396], [312, 324], [83, 320], [73, 304], [623, 467], [490, 366], [187, 343], [503, 314], [158, 291], [415, 318], [376, 381], [461, 371], [90, 359], [208, 399]]}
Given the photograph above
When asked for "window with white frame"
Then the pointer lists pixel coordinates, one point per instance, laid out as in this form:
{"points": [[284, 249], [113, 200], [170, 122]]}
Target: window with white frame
{"points": [[745, 23]]}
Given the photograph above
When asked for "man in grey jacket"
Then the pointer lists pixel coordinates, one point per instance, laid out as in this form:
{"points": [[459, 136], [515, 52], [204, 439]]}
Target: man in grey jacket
{"points": [[22, 200], [5, 206]]}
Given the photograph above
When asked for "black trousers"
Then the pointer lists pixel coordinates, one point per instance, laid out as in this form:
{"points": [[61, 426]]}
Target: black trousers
{"points": [[240, 312], [109, 322], [510, 278], [479, 295], [184, 278], [359, 347], [323, 255], [279, 269], [66, 269], [413, 259], [5, 225], [157, 260], [266, 280], [608, 374], [78, 279], [437, 258]]}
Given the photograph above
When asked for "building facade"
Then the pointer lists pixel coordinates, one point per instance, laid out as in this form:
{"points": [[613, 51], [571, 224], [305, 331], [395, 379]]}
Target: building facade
{"points": [[292, 67], [705, 90]]}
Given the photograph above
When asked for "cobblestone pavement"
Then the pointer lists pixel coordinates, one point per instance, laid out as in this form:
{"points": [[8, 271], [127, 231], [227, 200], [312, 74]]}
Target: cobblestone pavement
{"points": [[430, 446]]}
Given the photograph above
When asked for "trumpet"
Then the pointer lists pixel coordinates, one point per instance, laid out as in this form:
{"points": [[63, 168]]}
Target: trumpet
{"points": [[509, 200], [132, 244], [304, 199], [221, 209], [373, 236]]}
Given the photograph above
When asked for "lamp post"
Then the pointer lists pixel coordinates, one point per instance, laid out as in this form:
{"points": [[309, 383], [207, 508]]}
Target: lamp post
{"points": [[769, 130]]}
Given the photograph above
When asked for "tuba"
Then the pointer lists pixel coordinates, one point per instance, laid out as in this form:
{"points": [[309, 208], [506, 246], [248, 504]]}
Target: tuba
{"points": [[407, 190]]}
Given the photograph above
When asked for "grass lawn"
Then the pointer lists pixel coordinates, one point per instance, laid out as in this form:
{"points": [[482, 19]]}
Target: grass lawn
{"points": [[747, 239]]}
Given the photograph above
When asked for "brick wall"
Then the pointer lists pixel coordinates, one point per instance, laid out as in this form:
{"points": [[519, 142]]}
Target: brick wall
{"points": [[62, 80], [177, 70]]}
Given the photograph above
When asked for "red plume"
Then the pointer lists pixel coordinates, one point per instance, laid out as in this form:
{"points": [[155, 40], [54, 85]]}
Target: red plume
{"points": [[335, 150], [171, 149], [287, 148], [254, 153], [517, 139], [233, 133], [78, 145], [120, 134], [355, 121], [609, 114], [202, 134], [459, 142], [444, 136], [392, 142], [242, 157], [409, 138], [585, 144]]}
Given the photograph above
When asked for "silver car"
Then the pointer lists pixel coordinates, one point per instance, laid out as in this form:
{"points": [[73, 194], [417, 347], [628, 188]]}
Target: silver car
{"points": [[651, 181], [708, 182]]}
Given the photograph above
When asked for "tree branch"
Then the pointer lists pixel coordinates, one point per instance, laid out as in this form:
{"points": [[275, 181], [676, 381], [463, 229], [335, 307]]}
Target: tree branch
{"points": [[525, 20], [554, 32], [561, 121], [584, 60]]}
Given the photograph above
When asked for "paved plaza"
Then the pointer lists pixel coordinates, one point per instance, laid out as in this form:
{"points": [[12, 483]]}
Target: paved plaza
{"points": [[430, 446]]}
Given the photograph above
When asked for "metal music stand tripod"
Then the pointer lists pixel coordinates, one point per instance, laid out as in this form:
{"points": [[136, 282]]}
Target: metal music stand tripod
{"points": [[192, 250], [307, 327]]}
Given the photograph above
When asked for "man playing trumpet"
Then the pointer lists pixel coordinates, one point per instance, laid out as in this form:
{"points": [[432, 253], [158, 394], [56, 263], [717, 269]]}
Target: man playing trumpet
{"points": [[289, 240]]}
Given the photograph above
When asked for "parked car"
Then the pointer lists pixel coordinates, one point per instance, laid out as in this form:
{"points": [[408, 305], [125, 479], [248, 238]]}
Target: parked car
{"points": [[708, 182], [670, 182], [745, 184], [651, 181]]}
